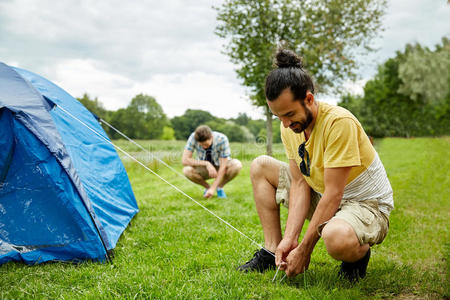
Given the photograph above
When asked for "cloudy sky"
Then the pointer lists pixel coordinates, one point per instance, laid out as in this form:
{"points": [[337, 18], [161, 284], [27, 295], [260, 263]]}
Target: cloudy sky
{"points": [[114, 50]]}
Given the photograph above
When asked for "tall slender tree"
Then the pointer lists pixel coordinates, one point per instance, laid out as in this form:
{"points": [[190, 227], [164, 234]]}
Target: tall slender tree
{"points": [[409, 95], [329, 34]]}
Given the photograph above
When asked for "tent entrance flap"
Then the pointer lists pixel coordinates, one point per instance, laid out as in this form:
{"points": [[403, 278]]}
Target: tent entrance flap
{"points": [[6, 143]]}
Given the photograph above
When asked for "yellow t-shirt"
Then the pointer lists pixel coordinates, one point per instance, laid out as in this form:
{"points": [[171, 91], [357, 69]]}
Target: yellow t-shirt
{"points": [[337, 140]]}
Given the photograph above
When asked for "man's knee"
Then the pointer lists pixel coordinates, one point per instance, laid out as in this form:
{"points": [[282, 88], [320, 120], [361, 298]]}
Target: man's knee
{"points": [[188, 171], [234, 167], [258, 165], [339, 237]]}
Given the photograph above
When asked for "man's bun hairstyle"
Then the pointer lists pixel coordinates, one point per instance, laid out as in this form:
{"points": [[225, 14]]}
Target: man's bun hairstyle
{"points": [[288, 59], [288, 73]]}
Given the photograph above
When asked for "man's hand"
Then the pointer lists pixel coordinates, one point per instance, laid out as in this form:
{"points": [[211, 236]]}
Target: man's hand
{"points": [[211, 170], [210, 192], [282, 252], [297, 261]]}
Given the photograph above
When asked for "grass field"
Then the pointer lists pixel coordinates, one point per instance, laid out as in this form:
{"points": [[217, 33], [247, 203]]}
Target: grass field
{"points": [[175, 249]]}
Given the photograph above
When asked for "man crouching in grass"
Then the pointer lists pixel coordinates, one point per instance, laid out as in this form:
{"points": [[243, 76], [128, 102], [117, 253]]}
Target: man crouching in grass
{"points": [[214, 161], [334, 178]]}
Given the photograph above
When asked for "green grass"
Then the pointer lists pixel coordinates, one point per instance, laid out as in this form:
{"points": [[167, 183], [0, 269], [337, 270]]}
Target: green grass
{"points": [[175, 249]]}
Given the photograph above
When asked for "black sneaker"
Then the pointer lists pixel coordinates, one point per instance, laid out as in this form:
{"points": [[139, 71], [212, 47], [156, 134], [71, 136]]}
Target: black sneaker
{"points": [[262, 260], [355, 270]]}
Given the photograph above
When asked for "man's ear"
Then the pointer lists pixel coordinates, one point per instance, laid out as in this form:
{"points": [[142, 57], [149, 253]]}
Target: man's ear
{"points": [[309, 100]]}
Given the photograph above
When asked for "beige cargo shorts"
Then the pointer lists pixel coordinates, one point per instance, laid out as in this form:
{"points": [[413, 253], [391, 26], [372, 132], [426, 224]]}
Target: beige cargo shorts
{"points": [[369, 223], [203, 171]]}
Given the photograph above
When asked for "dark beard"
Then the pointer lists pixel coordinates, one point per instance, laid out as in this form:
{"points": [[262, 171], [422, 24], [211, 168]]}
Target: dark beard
{"points": [[304, 124]]}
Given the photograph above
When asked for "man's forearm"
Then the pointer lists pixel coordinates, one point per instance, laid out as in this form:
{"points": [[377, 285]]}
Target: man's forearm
{"points": [[324, 211], [299, 202], [194, 162], [335, 180], [220, 174]]}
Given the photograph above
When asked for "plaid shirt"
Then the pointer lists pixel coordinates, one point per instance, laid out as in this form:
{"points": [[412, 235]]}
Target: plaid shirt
{"points": [[220, 147]]}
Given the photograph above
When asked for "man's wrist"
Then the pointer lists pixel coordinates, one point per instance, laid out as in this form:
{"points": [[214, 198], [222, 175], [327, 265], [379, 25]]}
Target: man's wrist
{"points": [[308, 245], [290, 237]]}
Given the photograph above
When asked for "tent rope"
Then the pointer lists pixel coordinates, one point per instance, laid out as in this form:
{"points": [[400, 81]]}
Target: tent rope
{"points": [[173, 186], [142, 148]]}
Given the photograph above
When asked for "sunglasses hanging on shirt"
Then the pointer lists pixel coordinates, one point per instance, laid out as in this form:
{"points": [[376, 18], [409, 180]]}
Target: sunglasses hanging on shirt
{"points": [[304, 165]]}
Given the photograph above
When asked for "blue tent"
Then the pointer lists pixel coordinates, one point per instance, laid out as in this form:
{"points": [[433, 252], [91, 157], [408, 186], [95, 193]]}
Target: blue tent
{"points": [[64, 193]]}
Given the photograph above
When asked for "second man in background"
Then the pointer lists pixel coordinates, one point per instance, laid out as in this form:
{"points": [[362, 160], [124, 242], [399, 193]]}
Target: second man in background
{"points": [[214, 161]]}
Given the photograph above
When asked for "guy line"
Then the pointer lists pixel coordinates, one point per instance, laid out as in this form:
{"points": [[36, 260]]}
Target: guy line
{"points": [[154, 173]]}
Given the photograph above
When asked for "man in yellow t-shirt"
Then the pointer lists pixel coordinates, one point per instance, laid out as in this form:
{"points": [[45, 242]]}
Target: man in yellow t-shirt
{"points": [[334, 178]]}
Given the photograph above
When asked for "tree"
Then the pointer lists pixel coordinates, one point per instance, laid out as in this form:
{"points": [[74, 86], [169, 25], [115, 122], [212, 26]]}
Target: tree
{"points": [[425, 73], [122, 121], [255, 127], [242, 119], [329, 34], [168, 133], [276, 135], [398, 102], [233, 131], [94, 106], [149, 116], [143, 118], [184, 125]]}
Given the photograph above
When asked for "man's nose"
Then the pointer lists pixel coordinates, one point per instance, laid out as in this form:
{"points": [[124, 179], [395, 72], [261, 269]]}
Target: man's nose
{"points": [[286, 122]]}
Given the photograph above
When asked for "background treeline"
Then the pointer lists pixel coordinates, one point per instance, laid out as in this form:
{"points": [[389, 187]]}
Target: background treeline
{"points": [[144, 118], [409, 95]]}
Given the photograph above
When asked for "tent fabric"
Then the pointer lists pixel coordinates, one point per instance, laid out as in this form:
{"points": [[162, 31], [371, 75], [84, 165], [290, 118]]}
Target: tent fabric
{"points": [[64, 193]]}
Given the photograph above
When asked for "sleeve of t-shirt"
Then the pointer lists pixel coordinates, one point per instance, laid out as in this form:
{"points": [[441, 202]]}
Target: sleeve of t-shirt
{"points": [[342, 147], [287, 142], [225, 148], [190, 143]]}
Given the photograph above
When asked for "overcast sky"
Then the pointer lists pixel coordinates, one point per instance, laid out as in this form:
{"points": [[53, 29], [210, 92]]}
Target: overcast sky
{"points": [[114, 50]]}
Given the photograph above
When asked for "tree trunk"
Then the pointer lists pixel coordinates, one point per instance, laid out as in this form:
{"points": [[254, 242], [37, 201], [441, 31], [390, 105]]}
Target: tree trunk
{"points": [[269, 131]]}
